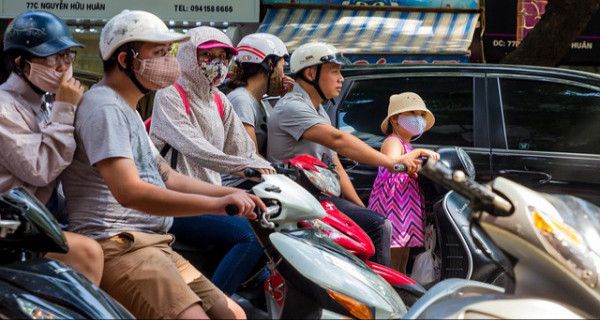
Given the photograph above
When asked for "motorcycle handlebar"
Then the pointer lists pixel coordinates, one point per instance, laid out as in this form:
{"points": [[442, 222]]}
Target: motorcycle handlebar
{"points": [[263, 217], [231, 210], [279, 168], [469, 188]]}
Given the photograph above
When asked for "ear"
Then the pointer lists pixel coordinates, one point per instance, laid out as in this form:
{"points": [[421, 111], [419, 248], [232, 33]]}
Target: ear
{"points": [[25, 68], [121, 57], [310, 73]]}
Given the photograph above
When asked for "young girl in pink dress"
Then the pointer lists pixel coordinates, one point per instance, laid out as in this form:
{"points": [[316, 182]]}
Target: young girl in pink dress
{"points": [[397, 196]]}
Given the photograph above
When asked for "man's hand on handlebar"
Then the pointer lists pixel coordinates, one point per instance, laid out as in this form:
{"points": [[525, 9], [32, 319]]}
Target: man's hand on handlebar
{"points": [[245, 203]]}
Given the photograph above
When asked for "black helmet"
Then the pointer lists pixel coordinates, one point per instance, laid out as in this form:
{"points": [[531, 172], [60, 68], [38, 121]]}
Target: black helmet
{"points": [[39, 33]]}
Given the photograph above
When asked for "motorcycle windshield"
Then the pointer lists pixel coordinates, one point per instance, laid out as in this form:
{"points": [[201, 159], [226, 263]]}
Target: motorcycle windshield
{"points": [[53, 281], [572, 237], [46, 236], [330, 266]]}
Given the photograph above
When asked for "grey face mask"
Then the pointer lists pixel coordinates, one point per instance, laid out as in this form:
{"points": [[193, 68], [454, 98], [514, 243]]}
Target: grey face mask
{"points": [[415, 125]]}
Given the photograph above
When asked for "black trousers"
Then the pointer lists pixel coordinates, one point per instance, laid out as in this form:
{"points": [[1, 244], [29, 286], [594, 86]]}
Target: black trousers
{"points": [[376, 226]]}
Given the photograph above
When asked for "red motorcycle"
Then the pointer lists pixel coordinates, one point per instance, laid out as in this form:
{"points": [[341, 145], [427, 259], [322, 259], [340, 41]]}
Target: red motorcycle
{"points": [[321, 181]]}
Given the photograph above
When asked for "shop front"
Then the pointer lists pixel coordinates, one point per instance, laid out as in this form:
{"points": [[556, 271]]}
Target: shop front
{"points": [[87, 17], [369, 32]]}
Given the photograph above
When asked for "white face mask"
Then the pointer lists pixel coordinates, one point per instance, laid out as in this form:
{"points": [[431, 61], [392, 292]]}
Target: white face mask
{"points": [[415, 125]]}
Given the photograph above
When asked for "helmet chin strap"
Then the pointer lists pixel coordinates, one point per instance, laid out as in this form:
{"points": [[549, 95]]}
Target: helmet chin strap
{"points": [[315, 83], [128, 70]]}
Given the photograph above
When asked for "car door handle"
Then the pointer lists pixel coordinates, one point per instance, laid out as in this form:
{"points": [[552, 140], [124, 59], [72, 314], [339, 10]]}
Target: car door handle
{"points": [[348, 163], [545, 177]]}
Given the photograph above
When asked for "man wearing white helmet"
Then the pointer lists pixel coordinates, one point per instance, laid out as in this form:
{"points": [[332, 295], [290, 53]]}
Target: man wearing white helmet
{"points": [[299, 124], [259, 71], [123, 194]]}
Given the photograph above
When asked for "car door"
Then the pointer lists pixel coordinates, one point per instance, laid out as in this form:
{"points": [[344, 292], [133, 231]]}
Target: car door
{"points": [[452, 97], [550, 134]]}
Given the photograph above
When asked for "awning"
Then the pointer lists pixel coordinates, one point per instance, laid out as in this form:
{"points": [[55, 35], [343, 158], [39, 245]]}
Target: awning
{"points": [[374, 32]]}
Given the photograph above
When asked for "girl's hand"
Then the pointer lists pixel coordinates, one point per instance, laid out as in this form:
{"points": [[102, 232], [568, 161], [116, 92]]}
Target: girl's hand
{"points": [[410, 161], [427, 154]]}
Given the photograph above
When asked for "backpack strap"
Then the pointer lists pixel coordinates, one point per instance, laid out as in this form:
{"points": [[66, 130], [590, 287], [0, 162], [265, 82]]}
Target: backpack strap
{"points": [[188, 111], [219, 103], [184, 98]]}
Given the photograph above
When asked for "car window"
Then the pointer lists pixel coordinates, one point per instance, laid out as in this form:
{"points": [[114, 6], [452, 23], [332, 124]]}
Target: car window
{"points": [[549, 116], [449, 98]]}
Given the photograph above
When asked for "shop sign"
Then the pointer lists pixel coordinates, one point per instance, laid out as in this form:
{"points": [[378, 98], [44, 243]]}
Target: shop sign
{"points": [[462, 4], [508, 22], [231, 11], [360, 59]]}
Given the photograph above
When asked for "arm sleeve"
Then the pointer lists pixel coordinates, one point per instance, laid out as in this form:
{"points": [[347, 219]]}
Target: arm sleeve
{"points": [[105, 133], [299, 118], [172, 125], [37, 158], [243, 109]]}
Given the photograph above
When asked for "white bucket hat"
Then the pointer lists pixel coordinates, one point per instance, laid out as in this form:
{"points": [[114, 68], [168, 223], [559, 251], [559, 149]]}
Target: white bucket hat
{"points": [[135, 25], [404, 102]]}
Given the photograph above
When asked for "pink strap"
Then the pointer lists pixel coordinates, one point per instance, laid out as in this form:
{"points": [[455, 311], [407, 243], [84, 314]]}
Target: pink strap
{"points": [[184, 98], [219, 103]]}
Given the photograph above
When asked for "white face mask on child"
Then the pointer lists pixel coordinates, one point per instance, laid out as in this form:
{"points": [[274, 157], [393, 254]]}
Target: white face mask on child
{"points": [[415, 125]]}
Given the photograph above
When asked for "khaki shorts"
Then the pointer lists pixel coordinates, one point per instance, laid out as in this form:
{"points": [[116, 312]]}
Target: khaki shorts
{"points": [[147, 277]]}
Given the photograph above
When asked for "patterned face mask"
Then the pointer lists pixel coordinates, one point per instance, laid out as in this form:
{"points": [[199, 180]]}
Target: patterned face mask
{"points": [[214, 70], [415, 125], [159, 72]]}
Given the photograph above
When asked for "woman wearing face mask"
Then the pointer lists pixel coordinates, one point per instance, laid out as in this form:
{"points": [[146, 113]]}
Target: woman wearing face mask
{"points": [[204, 142], [258, 71], [397, 196], [37, 110]]}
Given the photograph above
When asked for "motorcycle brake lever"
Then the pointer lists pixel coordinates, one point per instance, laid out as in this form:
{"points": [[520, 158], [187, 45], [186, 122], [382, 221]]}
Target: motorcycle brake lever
{"points": [[264, 222]]}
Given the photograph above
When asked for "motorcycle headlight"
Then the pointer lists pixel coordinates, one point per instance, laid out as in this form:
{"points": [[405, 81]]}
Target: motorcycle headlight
{"points": [[325, 180], [571, 236], [355, 307], [36, 308], [326, 229]]}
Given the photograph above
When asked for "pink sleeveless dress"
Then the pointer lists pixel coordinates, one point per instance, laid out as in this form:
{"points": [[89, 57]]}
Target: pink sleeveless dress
{"points": [[398, 197]]}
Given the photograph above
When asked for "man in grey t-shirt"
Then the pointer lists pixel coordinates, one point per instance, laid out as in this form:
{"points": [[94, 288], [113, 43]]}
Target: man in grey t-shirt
{"points": [[299, 124], [292, 116], [122, 193]]}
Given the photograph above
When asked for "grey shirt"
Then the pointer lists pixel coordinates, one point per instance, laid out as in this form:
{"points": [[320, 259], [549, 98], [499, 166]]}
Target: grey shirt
{"points": [[291, 117], [106, 127], [250, 112]]}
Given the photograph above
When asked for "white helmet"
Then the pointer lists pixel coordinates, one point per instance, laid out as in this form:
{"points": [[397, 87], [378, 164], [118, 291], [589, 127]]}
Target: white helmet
{"points": [[257, 47], [312, 54], [135, 25]]}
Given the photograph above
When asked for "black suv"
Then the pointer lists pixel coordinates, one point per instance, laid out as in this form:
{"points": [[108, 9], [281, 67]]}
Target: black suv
{"points": [[537, 126]]}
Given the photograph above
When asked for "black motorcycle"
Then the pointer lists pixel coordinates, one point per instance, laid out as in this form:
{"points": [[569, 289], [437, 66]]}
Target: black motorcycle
{"points": [[33, 287], [463, 249]]}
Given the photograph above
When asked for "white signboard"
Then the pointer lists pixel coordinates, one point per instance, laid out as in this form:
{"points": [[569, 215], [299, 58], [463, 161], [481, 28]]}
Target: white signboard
{"points": [[231, 11]]}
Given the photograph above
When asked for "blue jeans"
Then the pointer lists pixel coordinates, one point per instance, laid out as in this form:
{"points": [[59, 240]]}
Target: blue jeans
{"points": [[234, 232]]}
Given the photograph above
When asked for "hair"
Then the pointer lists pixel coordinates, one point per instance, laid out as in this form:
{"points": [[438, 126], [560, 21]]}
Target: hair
{"points": [[390, 127], [112, 62], [241, 72], [8, 65]]}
